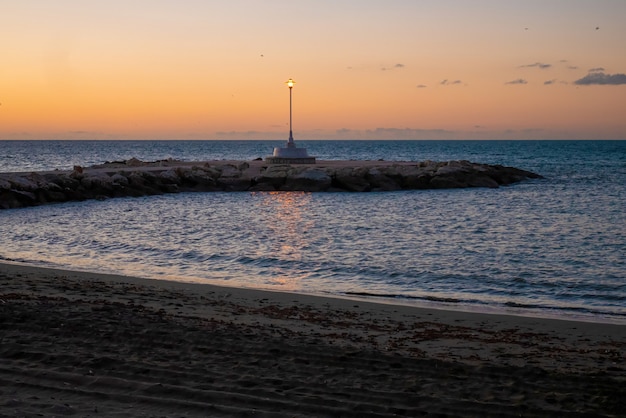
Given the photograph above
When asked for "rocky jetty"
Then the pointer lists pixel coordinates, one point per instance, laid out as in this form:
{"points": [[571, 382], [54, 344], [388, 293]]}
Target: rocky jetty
{"points": [[136, 178]]}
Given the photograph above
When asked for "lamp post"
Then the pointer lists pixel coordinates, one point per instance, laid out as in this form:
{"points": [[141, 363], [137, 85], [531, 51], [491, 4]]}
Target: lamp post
{"points": [[290, 154], [290, 84]]}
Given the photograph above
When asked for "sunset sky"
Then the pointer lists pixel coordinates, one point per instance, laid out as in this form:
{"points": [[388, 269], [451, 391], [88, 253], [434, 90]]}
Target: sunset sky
{"points": [[364, 69]]}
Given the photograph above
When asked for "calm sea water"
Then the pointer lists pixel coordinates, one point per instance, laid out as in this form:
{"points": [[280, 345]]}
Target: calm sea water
{"points": [[552, 247]]}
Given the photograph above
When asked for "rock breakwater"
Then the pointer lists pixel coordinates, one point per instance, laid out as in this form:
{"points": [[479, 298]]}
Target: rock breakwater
{"points": [[136, 178]]}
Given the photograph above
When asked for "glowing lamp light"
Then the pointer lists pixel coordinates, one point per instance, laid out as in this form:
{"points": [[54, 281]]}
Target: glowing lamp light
{"points": [[290, 154]]}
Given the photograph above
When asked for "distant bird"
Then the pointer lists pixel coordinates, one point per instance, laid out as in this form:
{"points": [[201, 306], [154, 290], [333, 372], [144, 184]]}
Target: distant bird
{"points": [[261, 55], [525, 28], [597, 27]]}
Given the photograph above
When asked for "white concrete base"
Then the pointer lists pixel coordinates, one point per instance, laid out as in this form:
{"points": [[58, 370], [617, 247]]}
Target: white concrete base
{"points": [[290, 155], [282, 160]]}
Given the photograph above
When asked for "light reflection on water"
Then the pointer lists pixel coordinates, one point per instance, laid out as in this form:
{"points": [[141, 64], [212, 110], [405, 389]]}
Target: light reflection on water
{"points": [[287, 231]]}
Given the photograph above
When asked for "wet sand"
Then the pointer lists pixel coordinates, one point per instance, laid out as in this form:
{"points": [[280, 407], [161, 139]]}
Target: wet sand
{"points": [[86, 344]]}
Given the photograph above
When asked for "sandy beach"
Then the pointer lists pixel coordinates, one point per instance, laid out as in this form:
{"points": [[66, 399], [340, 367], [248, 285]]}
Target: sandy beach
{"points": [[86, 344]]}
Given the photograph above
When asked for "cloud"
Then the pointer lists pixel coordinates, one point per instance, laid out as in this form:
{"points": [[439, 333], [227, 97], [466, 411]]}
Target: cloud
{"points": [[596, 70], [548, 82], [249, 135], [421, 86], [539, 65], [518, 81], [569, 67], [407, 133], [598, 77], [397, 66], [390, 133], [447, 82], [524, 131]]}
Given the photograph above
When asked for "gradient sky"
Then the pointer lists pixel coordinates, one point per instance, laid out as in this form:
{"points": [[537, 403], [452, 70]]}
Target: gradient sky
{"points": [[364, 69]]}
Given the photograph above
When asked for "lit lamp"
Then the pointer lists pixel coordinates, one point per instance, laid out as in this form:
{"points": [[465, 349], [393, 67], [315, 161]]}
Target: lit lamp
{"points": [[290, 154], [290, 84]]}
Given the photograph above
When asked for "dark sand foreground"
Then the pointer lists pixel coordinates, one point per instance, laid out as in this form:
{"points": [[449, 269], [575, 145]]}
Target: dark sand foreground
{"points": [[83, 344]]}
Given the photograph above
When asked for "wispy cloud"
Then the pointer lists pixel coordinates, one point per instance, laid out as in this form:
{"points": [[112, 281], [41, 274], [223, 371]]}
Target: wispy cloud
{"points": [[249, 135], [421, 86], [406, 132], [595, 70], [599, 77], [518, 81], [395, 67], [395, 133], [548, 82], [539, 65], [447, 82]]}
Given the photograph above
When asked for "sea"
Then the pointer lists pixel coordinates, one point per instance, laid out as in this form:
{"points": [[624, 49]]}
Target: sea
{"points": [[552, 247]]}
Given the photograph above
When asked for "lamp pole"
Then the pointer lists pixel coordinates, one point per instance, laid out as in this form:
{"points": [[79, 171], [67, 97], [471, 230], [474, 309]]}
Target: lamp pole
{"points": [[290, 84]]}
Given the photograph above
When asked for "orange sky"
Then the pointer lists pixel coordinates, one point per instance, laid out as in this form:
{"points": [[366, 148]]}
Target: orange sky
{"points": [[447, 69]]}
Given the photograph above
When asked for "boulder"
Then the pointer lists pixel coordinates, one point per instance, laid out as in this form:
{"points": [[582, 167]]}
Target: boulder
{"points": [[202, 177], [136, 179], [445, 182], [481, 180], [170, 176], [274, 175], [379, 181], [134, 162], [197, 178], [351, 179], [229, 171], [22, 183], [448, 170], [20, 198], [119, 179], [233, 184], [407, 176], [261, 187], [65, 182], [97, 181], [213, 172], [308, 180], [4, 184]]}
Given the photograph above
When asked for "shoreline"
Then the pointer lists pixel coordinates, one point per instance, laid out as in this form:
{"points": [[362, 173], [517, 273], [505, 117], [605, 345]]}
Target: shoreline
{"points": [[104, 345], [416, 303]]}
